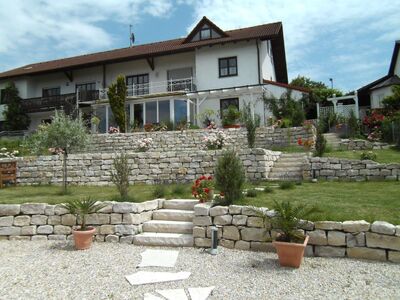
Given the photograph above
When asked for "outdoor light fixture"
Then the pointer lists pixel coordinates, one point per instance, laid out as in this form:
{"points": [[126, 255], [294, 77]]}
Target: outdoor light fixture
{"points": [[214, 240]]}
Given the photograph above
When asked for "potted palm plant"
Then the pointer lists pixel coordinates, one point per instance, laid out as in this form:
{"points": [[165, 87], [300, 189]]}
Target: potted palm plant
{"points": [[83, 234], [231, 117], [290, 242]]}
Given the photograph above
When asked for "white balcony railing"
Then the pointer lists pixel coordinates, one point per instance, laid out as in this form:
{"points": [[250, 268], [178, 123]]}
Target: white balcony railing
{"points": [[173, 85]]}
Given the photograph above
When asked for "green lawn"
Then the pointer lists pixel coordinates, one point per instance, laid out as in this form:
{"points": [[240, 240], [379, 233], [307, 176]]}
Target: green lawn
{"points": [[336, 200], [340, 201], [391, 155]]}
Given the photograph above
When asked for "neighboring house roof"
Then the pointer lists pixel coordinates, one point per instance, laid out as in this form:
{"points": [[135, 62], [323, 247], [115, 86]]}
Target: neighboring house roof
{"points": [[395, 57], [289, 86], [387, 82], [272, 31]]}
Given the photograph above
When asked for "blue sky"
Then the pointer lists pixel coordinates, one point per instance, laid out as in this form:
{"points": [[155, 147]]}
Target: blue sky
{"points": [[349, 40]]}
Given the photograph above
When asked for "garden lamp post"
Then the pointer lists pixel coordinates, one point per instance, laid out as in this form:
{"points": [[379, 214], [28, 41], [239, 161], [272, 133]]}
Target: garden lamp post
{"points": [[214, 240]]}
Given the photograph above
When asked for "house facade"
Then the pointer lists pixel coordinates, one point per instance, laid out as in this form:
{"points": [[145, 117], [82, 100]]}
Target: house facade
{"points": [[168, 81]]}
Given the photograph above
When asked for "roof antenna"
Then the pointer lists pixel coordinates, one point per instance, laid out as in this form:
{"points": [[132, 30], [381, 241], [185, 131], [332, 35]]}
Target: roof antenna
{"points": [[131, 36]]}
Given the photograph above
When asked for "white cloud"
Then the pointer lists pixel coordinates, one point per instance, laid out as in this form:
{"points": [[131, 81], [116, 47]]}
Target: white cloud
{"points": [[67, 26]]}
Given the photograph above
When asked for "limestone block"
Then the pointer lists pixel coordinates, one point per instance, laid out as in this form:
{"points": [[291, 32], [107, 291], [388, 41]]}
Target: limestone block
{"points": [[99, 238], [126, 239], [49, 210], [39, 219], [394, 256], [124, 207], [366, 253], [227, 244], [355, 226], [33, 208], [108, 207], [328, 251], [45, 229], [6, 221], [19, 238], [125, 229], [115, 218], [202, 242], [202, 221], [255, 222], [11, 230], [59, 210], [355, 240], [97, 219], [39, 238], [22, 221], [375, 240], [231, 233], [202, 209], [218, 211], [107, 229], [249, 211], [61, 229], [219, 234], [336, 238], [262, 246], [235, 209], [111, 238], [147, 206], [28, 230], [309, 251], [199, 232], [254, 234], [328, 225], [57, 237], [239, 220], [68, 219], [383, 227], [54, 220], [317, 237], [9, 209], [223, 220], [242, 245]]}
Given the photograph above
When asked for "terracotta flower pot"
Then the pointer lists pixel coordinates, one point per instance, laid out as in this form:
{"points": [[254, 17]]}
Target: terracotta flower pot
{"points": [[232, 126], [290, 254], [83, 239]]}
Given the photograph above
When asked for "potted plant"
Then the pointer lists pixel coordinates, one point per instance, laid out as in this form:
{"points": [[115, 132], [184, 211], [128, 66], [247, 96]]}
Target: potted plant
{"points": [[290, 242], [83, 235], [230, 117], [203, 188]]}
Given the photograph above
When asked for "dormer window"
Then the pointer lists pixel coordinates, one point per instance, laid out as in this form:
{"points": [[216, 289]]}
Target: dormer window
{"points": [[205, 33], [205, 30]]}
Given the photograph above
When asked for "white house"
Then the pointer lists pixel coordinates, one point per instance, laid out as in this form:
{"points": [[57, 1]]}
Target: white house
{"points": [[168, 81], [373, 93]]}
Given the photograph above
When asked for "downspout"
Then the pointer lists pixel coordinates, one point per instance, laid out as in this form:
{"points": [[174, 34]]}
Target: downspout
{"points": [[258, 63]]}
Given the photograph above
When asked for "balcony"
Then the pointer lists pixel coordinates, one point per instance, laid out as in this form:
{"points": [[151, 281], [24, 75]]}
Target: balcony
{"points": [[39, 104]]}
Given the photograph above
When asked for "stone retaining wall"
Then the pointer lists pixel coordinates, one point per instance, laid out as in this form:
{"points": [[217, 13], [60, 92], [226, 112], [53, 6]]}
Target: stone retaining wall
{"points": [[266, 137], [344, 169], [351, 144], [116, 222], [147, 167], [241, 228]]}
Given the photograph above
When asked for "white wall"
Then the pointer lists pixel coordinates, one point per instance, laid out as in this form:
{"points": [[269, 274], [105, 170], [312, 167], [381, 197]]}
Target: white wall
{"points": [[21, 85], [207, 72], [397, 65], [378, 95], [267, 61]]}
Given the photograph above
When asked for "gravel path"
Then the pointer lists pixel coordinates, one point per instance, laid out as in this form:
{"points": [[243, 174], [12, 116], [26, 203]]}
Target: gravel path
{"points": [[45, 270]]}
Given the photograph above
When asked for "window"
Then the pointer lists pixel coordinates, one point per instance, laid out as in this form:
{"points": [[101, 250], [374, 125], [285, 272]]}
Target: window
{"points": [[205, 33], [87, 91], [225, 103], [138, 84], [138, 115], [2, 96], [164, 111], [228, 66], [151, 112], [51, 92]]}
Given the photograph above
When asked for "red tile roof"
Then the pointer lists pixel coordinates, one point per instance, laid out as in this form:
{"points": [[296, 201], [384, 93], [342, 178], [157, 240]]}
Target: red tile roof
{"points": [[271, 31], [289, 86]]}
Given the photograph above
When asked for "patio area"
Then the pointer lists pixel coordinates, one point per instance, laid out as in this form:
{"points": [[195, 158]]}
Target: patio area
{"points": [[54, 270]]}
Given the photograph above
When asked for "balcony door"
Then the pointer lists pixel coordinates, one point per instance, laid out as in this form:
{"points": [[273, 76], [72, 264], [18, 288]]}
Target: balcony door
{"points": [[138, 84], [86, 91], [180, 79]]}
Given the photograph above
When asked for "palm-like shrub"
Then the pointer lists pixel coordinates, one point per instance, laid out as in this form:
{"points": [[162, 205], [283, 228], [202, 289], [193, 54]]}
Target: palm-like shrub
{"points": [[82, 208], [120, 177]]}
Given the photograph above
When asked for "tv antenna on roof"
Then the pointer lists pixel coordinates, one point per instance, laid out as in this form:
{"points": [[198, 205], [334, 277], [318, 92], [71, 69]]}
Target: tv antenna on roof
{"points": [[131, 36]]}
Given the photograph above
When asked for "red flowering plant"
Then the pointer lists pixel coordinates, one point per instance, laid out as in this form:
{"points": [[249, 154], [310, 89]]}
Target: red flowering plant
{"points": [[203, 188], [307, 144], [374, 122]]}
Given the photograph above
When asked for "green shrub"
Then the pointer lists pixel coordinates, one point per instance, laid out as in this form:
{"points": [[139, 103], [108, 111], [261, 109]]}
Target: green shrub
{"points": [[231, 116], [353, 125], [368, 155], [320, 143], [251, 122], [230, 177], [268, 190], [120, 175], [252, 193], [298, 116], [159, 191], [286, 185], [179, 190]]}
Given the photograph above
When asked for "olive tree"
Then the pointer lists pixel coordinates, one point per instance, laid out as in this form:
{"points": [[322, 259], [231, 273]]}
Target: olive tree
{"points": [[62, 136]]}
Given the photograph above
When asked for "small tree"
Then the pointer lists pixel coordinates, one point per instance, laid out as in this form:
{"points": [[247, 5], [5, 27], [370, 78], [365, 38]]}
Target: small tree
{"points": [[286, 107], [392, 102], [320, 143], [120, 177], [15, 117], [251, 122], [117, 97], [63, 135], [353, 125], [230, 177]]}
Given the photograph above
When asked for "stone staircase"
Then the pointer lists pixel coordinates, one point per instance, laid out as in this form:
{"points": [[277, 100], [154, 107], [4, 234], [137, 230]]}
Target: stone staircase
{"points": [[289, 167], [332, 140], [170, 226]]}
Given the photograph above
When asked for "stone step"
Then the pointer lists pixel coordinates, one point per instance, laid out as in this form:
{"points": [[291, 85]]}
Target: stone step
{"points": [[291, 160], [283, 163], [298, 178], [164, 226], [163, 239], [287, 169], [182, 204], [173, 215], [296, 155]]}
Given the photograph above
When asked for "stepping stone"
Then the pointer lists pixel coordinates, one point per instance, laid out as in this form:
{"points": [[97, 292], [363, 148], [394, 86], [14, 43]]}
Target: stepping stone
{"points": [[173, 294], [200, 293], [143, 277], [149, 296], [159, 258]]}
